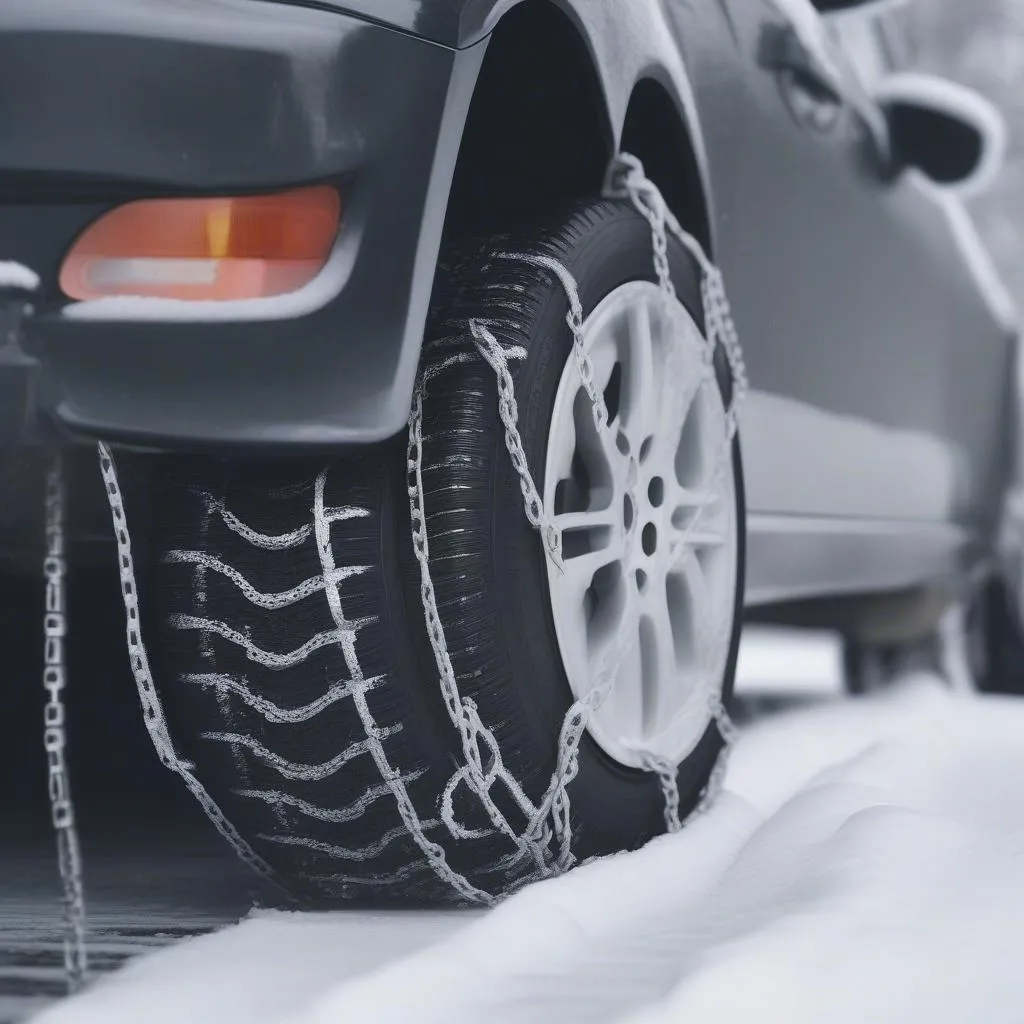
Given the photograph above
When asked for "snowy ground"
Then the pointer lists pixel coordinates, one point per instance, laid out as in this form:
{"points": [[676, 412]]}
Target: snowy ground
{"points": [[866, 864]]}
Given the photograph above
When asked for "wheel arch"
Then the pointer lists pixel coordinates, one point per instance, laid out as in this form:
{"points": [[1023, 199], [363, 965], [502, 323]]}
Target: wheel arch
{"points": [[655, 131], [516, 156]]}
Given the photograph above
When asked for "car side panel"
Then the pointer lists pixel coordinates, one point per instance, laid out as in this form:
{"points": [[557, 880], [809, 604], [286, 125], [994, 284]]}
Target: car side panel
{"points": [[150, 97], [242, 382], [883, 363], [903, 363], [172, 110]]}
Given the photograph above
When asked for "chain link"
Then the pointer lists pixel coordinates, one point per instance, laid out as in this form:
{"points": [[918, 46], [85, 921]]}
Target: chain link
{"points": [[479, 745], [575, 319], [55, 679], [549, 821], [152, 709], [508, 410], [626, 179]]}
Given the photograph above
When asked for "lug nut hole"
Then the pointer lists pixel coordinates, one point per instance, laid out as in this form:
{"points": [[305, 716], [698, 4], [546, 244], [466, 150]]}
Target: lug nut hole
{"points": [[650, 539]]}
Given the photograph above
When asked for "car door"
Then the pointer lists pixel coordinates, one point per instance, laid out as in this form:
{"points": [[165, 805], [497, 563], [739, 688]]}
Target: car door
{"points": [[877, 371]]}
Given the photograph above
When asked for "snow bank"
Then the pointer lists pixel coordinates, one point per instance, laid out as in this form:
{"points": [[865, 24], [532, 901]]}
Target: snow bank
{"points": [[255, 972], [889, 889], [866, 864]]}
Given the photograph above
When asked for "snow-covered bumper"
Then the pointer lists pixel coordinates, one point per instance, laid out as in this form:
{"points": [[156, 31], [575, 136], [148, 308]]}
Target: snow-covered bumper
{"points": [[107, 101]]}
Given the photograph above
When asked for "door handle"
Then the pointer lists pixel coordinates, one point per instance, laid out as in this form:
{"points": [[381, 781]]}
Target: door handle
{"points": [[783, 52], [815, 93]]}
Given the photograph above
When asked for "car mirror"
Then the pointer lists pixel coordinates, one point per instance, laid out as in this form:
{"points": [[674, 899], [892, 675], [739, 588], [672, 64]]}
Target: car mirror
{"points": [[951, 134]]}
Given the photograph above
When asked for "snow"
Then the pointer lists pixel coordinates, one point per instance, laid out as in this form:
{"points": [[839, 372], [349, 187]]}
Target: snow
{"points": [[17, 275], [767, 666], [866, 863]]}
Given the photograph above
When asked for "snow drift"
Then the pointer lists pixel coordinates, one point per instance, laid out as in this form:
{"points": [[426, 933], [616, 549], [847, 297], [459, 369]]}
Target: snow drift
{"points": [[865, 864]]}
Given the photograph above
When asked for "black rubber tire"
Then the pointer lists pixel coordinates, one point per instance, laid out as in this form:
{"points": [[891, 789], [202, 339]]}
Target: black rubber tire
{"points": [[996, 640], [489, 574], [871, 668], [995, 648]]}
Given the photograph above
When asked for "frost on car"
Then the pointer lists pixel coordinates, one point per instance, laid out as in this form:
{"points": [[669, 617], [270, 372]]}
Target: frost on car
{"points": [[414, 339]]}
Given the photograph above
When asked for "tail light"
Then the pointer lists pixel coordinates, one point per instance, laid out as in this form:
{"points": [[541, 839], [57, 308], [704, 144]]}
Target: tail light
{"points": [[223, 248]]}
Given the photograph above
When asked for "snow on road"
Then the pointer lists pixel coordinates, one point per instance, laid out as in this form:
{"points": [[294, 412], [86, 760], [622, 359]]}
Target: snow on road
{"points": [[865, 864]]}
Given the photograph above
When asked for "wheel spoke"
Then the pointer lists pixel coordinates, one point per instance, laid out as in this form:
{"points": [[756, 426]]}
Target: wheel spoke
{"points": [[579, 572], [691, 711], [661, 683], [587, 533], [641, 394], [690, 497], [698, 536], [686, 422], [647, 525], [700, 519], [683, 398], [702, 605], [626, 700], [598, 519]]}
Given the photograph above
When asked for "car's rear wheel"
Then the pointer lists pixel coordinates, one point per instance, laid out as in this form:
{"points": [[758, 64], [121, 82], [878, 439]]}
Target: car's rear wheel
{"points": [[978, 646], [995, 639], [293, 661]]}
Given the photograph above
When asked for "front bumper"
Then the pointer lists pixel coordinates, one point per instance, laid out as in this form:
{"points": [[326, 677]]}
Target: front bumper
{"points": [[102, 101]]}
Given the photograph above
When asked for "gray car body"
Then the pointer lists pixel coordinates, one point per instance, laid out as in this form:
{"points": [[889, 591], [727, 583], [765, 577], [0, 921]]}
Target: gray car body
{"points": [[879, 438]]}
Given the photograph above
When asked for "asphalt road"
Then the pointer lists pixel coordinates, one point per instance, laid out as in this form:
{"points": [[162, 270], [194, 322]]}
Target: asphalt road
{"points": [[155, 870]]}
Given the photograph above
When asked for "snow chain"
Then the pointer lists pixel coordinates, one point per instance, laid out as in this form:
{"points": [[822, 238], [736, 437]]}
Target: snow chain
{"points": [[547, 839], [152, 709], [55, 677], [544, 844]]}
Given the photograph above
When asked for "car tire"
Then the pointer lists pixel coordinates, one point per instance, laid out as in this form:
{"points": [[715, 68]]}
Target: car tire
{"points": [[988, 637], [872, 668], [257, 690], [995, 639]]}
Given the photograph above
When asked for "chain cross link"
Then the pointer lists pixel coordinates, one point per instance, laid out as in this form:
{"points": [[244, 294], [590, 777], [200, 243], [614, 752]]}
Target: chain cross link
{"points": [[152, 708]]}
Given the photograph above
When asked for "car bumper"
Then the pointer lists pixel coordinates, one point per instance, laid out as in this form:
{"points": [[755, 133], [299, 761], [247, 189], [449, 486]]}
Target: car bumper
{"points": [[103, 101]]}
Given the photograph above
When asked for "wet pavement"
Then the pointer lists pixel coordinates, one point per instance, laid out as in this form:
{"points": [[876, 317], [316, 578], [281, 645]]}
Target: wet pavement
{"points": [[155, 869]]}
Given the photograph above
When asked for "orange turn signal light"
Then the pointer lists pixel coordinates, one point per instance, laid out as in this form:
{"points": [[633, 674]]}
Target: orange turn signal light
{"points": [[244, 247]]}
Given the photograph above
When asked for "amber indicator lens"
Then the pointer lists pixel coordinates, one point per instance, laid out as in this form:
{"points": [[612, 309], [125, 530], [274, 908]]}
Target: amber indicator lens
{"points": [[245, 247]]}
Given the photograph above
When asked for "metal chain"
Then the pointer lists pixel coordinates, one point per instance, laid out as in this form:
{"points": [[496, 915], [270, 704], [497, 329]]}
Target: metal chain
{"points": [[55, 678], [152, 709], [550, 819], [575, 319], [508, 410], [479, 745], [626, 179], [545, 835]]}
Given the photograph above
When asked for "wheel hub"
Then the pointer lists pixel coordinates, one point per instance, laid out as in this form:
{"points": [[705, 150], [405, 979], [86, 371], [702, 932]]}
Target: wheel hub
{"points": [[646, 508]]}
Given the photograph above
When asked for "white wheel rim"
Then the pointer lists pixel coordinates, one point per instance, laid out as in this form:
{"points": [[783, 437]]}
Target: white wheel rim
{"points": [[624, 500]]}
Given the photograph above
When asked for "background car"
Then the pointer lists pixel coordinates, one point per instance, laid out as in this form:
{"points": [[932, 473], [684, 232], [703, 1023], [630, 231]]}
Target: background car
{"points": [[264, 231]]}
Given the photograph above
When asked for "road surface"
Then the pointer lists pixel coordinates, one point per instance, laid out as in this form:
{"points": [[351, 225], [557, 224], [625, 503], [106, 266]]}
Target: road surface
{"points": [[156, 871]]}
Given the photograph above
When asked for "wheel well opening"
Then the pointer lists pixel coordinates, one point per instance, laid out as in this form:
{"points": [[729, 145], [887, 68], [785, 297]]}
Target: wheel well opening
{"points": [[537, 135], [655, 132]]}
